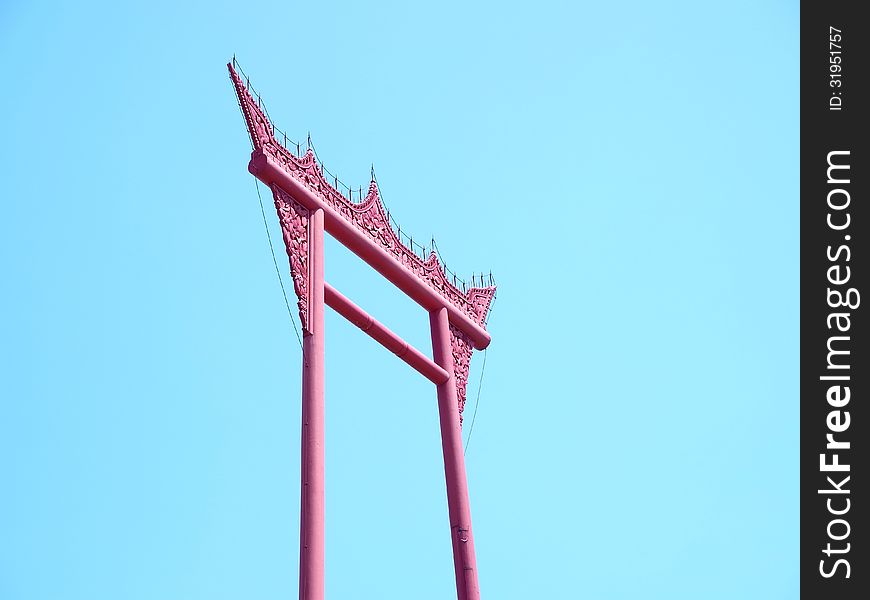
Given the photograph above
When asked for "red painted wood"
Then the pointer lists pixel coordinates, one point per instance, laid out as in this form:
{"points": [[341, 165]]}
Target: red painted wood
{"points": [[307, 205], [459, 508], [312, 552]]}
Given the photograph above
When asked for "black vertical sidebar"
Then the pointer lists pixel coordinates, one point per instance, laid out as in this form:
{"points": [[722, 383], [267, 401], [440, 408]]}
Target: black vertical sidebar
{"points": [[835, 298]]}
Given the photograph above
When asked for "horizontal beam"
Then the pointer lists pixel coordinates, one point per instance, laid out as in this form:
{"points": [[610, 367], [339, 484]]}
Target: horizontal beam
{"points": [[384, 336], [267, 170]]}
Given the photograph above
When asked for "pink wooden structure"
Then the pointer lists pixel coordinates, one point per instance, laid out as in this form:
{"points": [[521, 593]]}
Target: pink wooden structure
{"points": [[309, 205]]}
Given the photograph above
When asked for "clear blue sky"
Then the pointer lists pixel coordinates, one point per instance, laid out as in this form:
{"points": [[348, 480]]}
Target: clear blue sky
{"points": [[629, 172]]}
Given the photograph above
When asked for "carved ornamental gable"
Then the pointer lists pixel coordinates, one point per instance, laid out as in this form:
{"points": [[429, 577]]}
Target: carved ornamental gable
{"points": [[259, 126], [369, 215], [461, 349], [293, 217]]}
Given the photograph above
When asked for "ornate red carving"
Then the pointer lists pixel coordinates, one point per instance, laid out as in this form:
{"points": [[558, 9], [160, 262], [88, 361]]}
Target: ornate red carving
{"points": [[368, 215], [461, 348], [294, 225], [259, 126]]}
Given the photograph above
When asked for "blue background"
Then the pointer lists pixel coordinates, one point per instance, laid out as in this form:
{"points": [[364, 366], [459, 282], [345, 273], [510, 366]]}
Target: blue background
{"points": [[628, 171]]}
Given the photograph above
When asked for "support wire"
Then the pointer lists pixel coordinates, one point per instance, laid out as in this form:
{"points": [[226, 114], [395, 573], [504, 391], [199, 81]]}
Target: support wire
{"points": [[476, 403], [277, 269]]}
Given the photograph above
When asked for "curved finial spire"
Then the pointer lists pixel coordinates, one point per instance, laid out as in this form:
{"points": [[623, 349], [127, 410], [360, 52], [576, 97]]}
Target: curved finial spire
{"points": [[259, 126], [373, 188]]}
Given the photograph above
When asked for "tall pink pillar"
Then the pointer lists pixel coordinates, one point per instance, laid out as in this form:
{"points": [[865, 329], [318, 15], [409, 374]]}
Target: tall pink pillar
{"points": [[464, 562], [311, 528]]}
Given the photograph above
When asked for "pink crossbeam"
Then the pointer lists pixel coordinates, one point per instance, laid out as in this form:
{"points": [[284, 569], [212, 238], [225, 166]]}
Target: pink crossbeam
{"points": [[381, 334]]}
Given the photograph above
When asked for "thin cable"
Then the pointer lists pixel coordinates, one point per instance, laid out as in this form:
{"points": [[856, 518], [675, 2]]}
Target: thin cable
{"points": [[476, 403], [277, 269]]}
